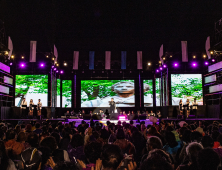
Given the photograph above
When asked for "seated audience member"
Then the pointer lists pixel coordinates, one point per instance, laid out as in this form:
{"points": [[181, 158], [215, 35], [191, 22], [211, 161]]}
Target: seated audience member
{"points": [[31, 159], [5, 162], [126, 146], [58, 155], [33, 140], [37, 130], [214, 136], [76, 148], [192, 151], [207, 142], [47, 162], [219, 149], [195, 137], [66, 166], [208, 159], [157, 160], [111, 157], [15, 147]]}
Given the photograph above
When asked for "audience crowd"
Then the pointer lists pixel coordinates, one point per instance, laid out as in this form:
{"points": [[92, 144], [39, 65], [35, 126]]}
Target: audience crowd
{"points": [[172, 145]]}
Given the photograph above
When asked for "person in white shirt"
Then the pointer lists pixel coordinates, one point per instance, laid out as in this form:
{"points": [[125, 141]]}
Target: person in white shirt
{"points": [[188, 107], [23, 103], [195, 103], [39, 107], [31, 107]]}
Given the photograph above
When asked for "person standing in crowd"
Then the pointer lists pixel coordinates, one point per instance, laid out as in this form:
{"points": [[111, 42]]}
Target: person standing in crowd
{"points": [[39, 108]]}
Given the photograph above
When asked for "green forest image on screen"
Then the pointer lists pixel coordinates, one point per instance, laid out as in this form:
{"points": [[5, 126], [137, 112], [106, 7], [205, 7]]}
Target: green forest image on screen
{"points": [[186, 86], [66, 93], [98, 93], [148, 93], [31, 87]]}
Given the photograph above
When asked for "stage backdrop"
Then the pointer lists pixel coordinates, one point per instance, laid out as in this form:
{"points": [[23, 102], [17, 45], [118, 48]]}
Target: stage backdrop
{"points": [[186, 86], [31, 87], [98, 93], [67, 93]]}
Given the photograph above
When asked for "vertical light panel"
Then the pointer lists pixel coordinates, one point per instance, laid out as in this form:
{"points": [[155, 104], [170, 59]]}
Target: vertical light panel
{"points": [[107, 60], [184, 51], [75, 60], [67, 93], [123, 60], [91, 60], [33, 45], [139, 60]]}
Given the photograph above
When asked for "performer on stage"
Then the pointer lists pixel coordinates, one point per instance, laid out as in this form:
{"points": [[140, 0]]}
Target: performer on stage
{"points": [[112, 106], [24, 102], [39, 108], [188, 107], [31, 108], [181, 107], [195, 104]]}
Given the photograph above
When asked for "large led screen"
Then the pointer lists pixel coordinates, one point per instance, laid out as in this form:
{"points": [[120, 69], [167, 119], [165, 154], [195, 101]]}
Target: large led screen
{"points": [[58, 92], [186, 86], [31, 87], [157, 91], [148, 93], [67, 93], [98, 93]]}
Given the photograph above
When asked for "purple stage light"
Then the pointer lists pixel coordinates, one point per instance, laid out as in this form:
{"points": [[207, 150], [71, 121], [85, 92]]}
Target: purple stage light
{"points": [[164, 66], [213, 60], [157, 71], [52, 66], [206, 63], [161, 68], [41, 65], [61, 72], [54, 69], [175, 64], [194, 64], [123, 118], [22, 65], [10, 64], [57, 71]]}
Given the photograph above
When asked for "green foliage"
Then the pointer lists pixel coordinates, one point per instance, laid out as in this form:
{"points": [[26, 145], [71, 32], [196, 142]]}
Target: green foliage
{"points": [[98, 88], [24, 82], [67, 91], [190, 87], [150, 84], [58, 86]]}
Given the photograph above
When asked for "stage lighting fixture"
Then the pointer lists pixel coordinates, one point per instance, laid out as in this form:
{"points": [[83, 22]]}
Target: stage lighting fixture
{"points": [[47, 56], [204, 56], [53, 58], [211, 52], [61, 72], [10, 64], [164, 58], [164, 66], [54, 68], [157, 71], [123, 118], [213, 60], [65, 64], [206, 63], [161, 68], [175, 64], [23, 57], [149, 64], [12, 56], [57, 71], [194, 64], [22, 65], [159, 62], [194, 56], [41, 65], [57, 64], [171, 56]]}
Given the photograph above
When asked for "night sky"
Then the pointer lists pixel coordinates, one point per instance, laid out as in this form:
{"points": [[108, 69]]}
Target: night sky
{"points": [[114, 25]]}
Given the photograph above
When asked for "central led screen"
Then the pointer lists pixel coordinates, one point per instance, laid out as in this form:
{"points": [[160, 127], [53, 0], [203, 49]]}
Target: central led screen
{"points": [[98, 93]]}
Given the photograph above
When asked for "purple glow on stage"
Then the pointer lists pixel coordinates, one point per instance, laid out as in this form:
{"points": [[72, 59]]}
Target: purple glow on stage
{"points": [[10, 64], [57, 71], [194, 64], [61, 72], [52, 66], [213, 60], [123, 118], [54, 69], [157, 71], [164, 66], [175, 64], [41, 65], [22, 65], [161, 68], [206, 63]]}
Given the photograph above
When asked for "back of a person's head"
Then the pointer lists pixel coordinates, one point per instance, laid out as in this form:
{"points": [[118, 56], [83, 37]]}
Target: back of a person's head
{"points": [[3, 156], [171, 139], [21, 137], [111, 156], [207, 142], [50, 142], [104, 134], [93, 151], [120, 134], [66, 166], [152, 130], [77, 140], [186, 136], [192, 151], [56, 136], [131, 122], [37, 125], [46, 153], [33, 140], [195, 136], [215, 134], [31, 159], [157, 160], [10, 134], [208, 159], [219, 139], [154, 142]]}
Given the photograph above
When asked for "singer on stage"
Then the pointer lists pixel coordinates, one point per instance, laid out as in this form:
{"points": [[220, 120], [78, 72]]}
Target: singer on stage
{"points": [[112, 106]]}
